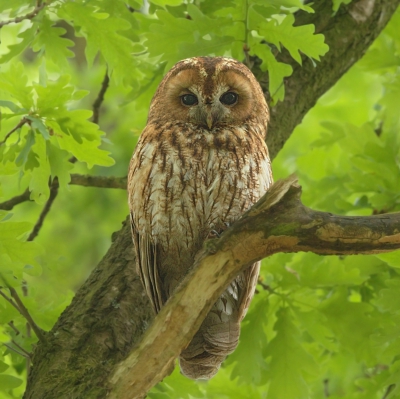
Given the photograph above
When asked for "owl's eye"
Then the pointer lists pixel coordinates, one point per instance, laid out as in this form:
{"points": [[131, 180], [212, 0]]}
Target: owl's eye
{"points": [[229, 98], [189, 99]]}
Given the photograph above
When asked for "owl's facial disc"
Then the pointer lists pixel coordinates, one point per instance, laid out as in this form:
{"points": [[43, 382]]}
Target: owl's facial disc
{"points": [[209, 111]]}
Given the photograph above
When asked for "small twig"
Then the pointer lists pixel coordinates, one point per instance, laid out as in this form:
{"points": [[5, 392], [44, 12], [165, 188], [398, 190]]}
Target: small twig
{"points": [[97, 104], [30, 15], [98, 181], [16, 351], [21, 348], [24, 312], [19, 125], [76, 179], [11, 324], [8, 299], [388, 390], [326, 388], [9, 204], [45, 210], [100, 98]]}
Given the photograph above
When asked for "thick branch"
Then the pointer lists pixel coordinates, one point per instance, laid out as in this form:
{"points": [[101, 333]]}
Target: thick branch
{"points": [[279, 222]]}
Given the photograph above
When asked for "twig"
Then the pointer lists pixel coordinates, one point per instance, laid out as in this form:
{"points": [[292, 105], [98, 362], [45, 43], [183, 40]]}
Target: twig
{"points": [[388, 390], [97, 104], [16, 351], [100, 98], [9, 300], [76, 179], [98, 181], [30, 15], [11, 324], [24, 312], [9, 204], [326, 387], [45, 210], [20, 124], [21, 348]]}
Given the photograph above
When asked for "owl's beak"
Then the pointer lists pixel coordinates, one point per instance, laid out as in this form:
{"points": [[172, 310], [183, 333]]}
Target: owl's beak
{"points": [[209, 120]]}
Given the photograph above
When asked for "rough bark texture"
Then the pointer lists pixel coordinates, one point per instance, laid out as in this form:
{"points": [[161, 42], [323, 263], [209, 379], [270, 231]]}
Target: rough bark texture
{"points": [[279, 222], [110, 312]]}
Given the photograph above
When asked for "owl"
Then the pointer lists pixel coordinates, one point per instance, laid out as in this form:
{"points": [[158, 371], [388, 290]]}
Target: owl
{"points": [[199, 164]]}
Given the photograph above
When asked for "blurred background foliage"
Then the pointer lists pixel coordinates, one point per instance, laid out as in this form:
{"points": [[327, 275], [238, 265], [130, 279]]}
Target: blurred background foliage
{"points": [[318, 326]]}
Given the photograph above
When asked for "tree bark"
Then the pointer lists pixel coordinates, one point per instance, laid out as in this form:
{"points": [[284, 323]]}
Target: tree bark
{"points": [[110, 312]]}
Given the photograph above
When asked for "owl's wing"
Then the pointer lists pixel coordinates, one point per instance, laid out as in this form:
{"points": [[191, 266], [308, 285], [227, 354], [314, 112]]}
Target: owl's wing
{"points": [[147, 266]]}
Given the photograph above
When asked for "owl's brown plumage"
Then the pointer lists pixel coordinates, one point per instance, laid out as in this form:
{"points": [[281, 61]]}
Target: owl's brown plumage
{"points": [[200, 162]]}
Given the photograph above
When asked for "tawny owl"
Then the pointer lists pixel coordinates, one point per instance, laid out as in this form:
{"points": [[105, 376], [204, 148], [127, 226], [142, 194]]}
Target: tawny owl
{"points": [[199, 164]]}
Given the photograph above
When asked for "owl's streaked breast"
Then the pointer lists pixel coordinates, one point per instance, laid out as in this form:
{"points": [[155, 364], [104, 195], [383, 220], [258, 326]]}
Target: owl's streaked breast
{"points": [[201, 181]]}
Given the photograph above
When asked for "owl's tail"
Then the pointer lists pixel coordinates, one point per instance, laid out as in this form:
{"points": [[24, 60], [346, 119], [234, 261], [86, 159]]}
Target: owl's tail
{"points": [[218, 336]]}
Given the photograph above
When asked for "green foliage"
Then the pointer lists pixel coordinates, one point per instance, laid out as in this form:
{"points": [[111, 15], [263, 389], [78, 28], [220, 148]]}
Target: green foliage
{"points": [[323, 325]]}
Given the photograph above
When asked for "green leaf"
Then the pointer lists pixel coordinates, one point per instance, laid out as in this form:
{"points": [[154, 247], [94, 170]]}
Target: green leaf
{"points": [[338, 3], [39, 176], [15, 252], [27, 37], [391, 258], [24, 153], [163, 3], [249, 364], [38, 125], [101, 32], [15, 82], [295, 39], [3, 366], [168, 30], [49, 40], [352, 327], [389, 298], [276, 70], [56, 94], [11, 106], [289, 361], [59, 164], [9, 382]]}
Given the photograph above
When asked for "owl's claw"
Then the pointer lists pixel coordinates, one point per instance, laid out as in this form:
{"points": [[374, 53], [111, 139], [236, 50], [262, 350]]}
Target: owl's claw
{"points": [[213, 234]]}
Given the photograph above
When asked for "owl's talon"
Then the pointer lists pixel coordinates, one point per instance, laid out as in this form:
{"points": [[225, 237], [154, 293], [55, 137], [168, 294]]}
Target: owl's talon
{"points": [[213, 234]]}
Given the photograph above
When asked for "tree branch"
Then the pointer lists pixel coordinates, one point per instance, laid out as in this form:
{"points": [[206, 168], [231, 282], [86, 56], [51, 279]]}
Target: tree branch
{"points": [[76, 179], [16, 351], [45, 210], [17, 303], [19, 125], [18, 199], [24, 312], [279, 222], [30, 15], [100, 98], [99, 181]]}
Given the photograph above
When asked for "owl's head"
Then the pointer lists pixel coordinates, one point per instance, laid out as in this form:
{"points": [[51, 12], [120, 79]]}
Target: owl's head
{"points": [[210, 92]]}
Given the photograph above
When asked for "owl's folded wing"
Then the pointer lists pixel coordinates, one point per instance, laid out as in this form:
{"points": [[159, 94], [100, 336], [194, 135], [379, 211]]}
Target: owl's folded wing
{"points": [[147, 266]]}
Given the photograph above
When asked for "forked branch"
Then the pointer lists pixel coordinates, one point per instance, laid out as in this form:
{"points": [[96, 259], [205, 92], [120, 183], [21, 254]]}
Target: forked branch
{"points": [[279, 222]]}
